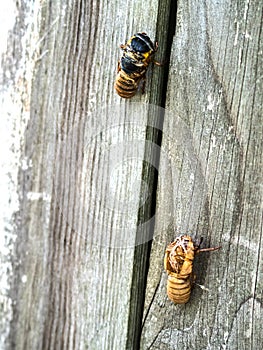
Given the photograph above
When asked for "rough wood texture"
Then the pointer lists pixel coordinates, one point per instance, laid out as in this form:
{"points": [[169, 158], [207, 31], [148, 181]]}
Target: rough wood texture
{"points": [[210, 180], [79, 176]]}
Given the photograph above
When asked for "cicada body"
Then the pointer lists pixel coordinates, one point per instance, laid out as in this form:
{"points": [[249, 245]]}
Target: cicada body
{"points": [[178, 262], [137, 54]]}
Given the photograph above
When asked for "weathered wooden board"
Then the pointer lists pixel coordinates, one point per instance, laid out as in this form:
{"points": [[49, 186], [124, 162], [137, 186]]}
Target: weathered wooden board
{"points": [[79, 176], [210, 179], [78, 152]]}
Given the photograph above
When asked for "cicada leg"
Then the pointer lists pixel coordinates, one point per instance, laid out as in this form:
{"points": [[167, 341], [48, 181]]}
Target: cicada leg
{"points": [[158, 63], [143, 84], [207, 249], [118, 67]]}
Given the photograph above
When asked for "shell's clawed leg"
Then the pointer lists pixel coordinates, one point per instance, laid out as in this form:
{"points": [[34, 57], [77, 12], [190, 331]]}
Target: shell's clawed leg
{"points": [[192, 278], [119, 67], [208, 249], [202, 287], [198, 250], [167, 265], [143, 84], [158, 63]]}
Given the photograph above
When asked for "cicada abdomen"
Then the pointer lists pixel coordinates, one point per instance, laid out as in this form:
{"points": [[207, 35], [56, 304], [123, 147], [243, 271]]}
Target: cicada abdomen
{"points": [[178, 262]]}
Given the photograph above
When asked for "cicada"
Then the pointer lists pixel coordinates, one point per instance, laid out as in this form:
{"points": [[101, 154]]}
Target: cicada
{"points": [[178, 262], [137, 54]]}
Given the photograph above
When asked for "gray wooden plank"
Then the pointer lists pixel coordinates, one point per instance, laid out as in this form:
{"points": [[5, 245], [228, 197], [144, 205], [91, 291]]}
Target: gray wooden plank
{"points": [[210, 180], [79, 176]]}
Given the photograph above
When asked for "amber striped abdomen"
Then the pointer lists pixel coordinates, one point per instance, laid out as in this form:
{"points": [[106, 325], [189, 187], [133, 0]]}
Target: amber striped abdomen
{"points": [[178, 289]]}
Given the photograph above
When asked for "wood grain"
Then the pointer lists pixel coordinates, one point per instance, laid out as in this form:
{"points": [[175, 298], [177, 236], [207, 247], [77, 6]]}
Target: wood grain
{"points": [[81, 166], [212, 184], [79, 196]]}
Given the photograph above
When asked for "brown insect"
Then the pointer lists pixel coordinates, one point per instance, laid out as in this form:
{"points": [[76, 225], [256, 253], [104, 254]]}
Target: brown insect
{"points": [[137, 54], [178, 262]]}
